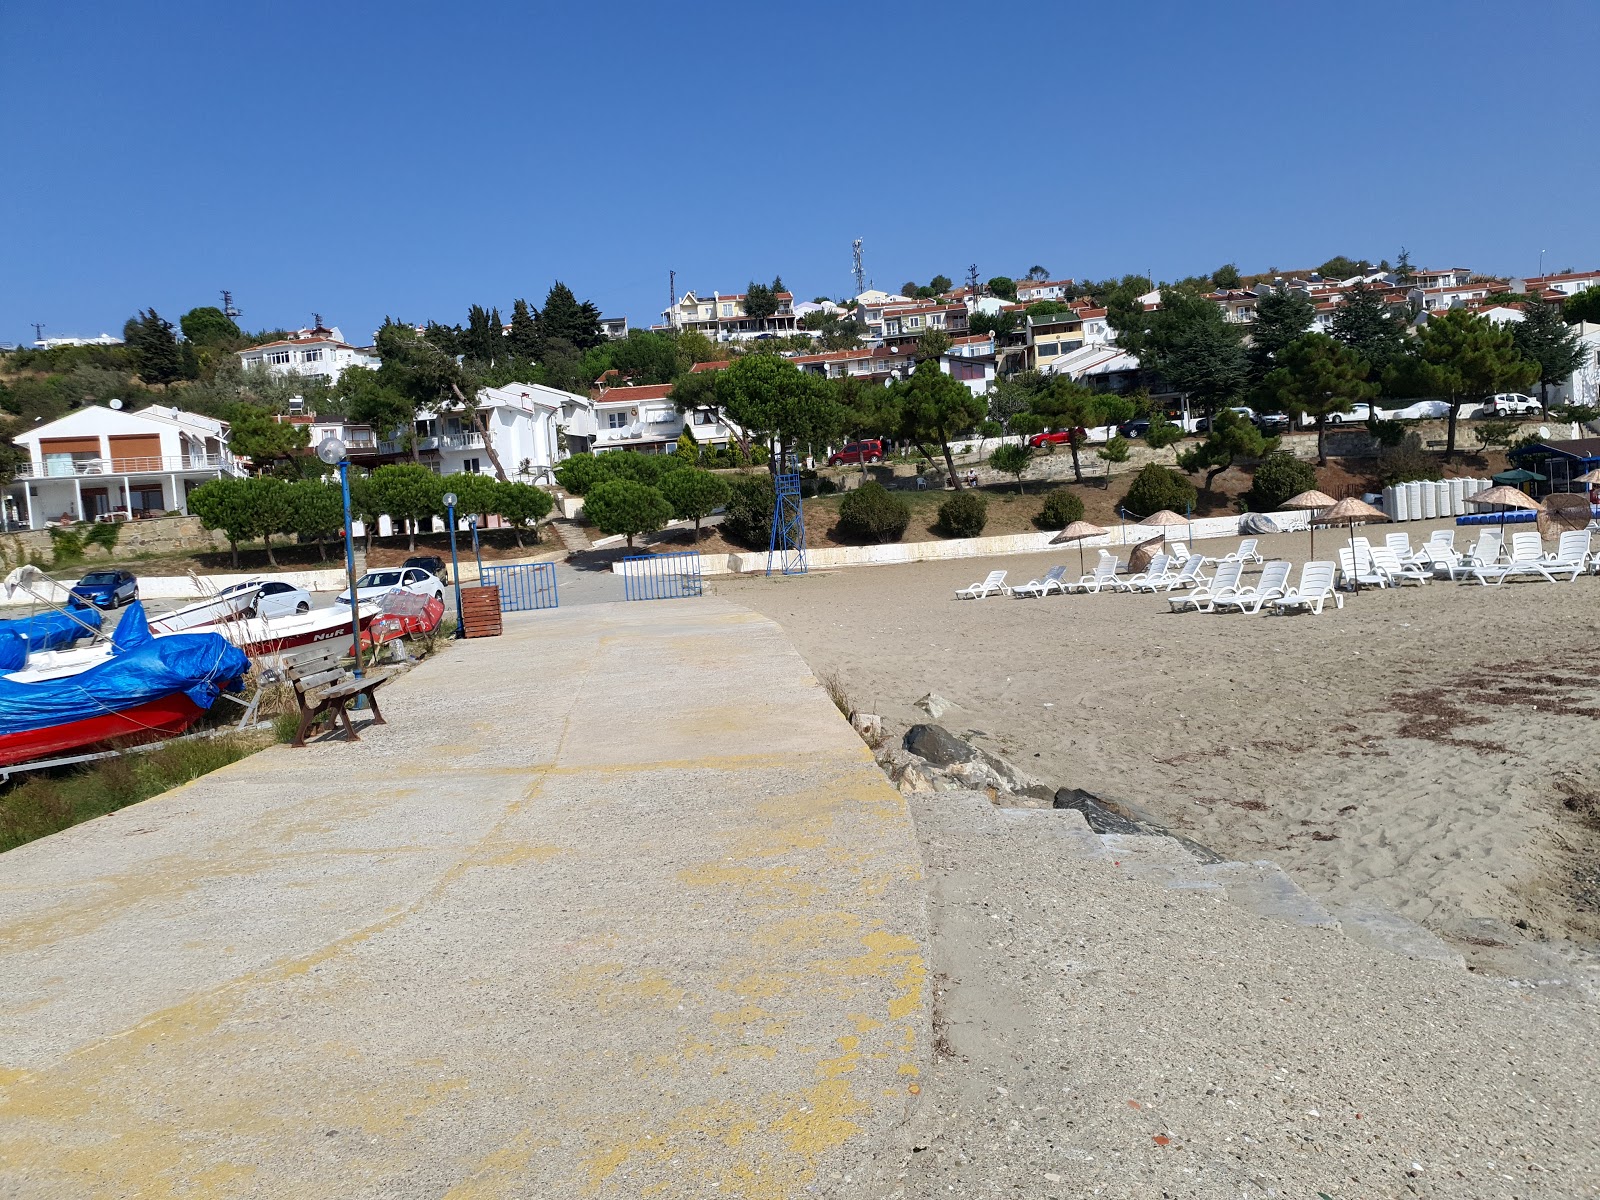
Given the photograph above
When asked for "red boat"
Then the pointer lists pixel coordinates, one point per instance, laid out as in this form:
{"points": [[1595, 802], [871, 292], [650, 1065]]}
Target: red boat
{"points": [[148, 722]]}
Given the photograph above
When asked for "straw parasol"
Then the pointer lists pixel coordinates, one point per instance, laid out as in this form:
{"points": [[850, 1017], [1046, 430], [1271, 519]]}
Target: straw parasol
{"points": [[1076, 532], [1353, 510], [1165, 518], [1588, 477], [1563, 511], [1311, 501], [1507, 498], [1144, 554]]}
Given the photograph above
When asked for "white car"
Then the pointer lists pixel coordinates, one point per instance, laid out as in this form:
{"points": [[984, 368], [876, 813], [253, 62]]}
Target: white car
{"points": [[279, 599], [1509, 404], [1419, 410], [1357, 412], [394, 579]]}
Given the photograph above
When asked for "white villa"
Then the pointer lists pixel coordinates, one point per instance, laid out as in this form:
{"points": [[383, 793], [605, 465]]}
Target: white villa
{"points": [[531, 427], [104, 462], [317, 351], [644, 418]]}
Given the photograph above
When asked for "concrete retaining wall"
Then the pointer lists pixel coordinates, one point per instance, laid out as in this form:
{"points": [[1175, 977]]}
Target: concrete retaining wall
{"points": [[1201, 528]]}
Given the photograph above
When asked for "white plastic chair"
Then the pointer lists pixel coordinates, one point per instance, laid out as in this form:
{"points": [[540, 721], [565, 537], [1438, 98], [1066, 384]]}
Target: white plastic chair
{"points": [[1246, 552], [1389, 564], [1160, 569]]}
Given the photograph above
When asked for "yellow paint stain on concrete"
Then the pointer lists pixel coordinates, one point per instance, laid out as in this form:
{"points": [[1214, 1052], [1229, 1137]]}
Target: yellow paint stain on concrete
{"points": [[500, 1173], [515, 856], [760, 883], [691, 1139], [761, 985], [863, 1023], [609, 987], [809, 932], [909, 1069], [822, 1120]]}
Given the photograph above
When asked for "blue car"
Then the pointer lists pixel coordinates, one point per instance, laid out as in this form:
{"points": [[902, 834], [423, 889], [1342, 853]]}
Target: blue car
{"points": [[106, 589]]}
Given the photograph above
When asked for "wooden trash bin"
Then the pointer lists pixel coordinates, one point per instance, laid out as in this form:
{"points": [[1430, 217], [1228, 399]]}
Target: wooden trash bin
{"points": [[480, 611]]}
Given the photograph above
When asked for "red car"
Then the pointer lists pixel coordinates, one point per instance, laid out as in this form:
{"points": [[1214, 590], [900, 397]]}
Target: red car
{"points": [[870, 450], [1056, 437]]}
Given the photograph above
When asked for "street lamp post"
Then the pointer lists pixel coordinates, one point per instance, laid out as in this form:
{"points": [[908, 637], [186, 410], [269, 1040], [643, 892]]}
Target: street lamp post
{"points": [[455, 563], [332, 451]]}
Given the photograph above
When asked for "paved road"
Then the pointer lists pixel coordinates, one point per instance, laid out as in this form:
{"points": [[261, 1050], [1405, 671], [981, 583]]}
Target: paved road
{"points": [[614, 905]]}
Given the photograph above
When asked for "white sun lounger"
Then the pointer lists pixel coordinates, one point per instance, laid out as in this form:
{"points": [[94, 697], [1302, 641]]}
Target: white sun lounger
{"points": [[1274, 581], [994, 584], [1204, 598], [1103, 579], [1187, 577], [1313, 591], [1160, 570], [1053, 578], [1398, 571], [1527, 562], [1573, 547], [1485, 552], [1246, 552], [1366, 574]]}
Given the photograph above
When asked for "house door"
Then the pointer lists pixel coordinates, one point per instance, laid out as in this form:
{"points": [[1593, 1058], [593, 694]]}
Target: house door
{"points": [[96, 503]]}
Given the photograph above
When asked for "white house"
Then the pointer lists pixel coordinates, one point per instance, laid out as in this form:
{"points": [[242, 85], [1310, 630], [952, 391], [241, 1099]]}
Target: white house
{"points": [[317, 351], [1568, 283], [104, 339], [643, 418], [723, 318], [1031, 291], [99, 461], [531, 427], [977, 371]]}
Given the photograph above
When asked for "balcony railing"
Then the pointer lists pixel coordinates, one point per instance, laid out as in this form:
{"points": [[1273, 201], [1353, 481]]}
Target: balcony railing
{"points": [[461, 441], [61, 468]]}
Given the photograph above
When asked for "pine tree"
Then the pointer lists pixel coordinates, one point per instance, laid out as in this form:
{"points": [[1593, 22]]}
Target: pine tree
{"points": [[1370, 327], [1281, 317], [563, 319], [1542, 337], [153, 348], [524, 339]]}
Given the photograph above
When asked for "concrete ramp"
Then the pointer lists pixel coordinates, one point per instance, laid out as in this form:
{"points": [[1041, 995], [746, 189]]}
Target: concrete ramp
{"points": [[615, 905]]}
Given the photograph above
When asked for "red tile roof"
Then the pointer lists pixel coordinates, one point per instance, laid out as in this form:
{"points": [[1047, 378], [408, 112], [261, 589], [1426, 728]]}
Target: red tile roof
{"points": [[710, 366], [624, 395]]}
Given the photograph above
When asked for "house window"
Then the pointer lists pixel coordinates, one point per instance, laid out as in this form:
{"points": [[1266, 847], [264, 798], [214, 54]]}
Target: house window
{"points": [[279, 358], [616, 420], [311, 356], [470, 466], [913, 322], [1048, 349], [701, 417], [727, 310]]}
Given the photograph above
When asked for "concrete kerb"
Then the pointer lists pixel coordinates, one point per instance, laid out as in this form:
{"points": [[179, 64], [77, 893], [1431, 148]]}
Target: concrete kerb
{"points": [[498, 945]]}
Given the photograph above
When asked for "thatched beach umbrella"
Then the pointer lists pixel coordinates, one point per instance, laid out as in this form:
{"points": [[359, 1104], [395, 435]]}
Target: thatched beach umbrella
{"points": [[1076, 532], [1353, 510], [1144, 554], [1508, 498], [1311, 501], [1165, 519], [1564, 511], [1588, 477]]}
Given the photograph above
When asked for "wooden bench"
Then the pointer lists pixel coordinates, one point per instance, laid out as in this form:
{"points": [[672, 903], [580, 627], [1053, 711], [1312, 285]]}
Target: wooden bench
{"points": [[1437, 443], [325, 690]]}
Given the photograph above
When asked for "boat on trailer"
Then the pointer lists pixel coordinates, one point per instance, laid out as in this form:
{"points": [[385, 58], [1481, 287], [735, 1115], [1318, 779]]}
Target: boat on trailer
{"points": [[134, 688]]}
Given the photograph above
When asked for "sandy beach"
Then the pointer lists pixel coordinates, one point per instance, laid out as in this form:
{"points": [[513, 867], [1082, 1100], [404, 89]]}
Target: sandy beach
{"points": [[1430, 750]]}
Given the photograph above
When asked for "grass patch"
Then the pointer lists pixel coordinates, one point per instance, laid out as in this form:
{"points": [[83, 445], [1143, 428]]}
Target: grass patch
{"points": [[834, 686], [43, 803]]}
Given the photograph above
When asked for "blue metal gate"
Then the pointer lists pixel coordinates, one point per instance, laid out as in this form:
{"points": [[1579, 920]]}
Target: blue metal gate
{"points": [[524, 586], [662, 576]]}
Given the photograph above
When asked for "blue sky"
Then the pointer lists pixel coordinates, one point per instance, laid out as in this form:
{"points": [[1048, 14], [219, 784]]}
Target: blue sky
{"points": [[411, 159]]}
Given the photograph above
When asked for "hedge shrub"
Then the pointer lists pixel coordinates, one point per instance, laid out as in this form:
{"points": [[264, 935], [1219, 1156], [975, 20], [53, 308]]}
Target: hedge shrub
{"points": [[872, 513], [747, 517], [964, 515], [1062, 507], [1277, 477], [1156, 487]]}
